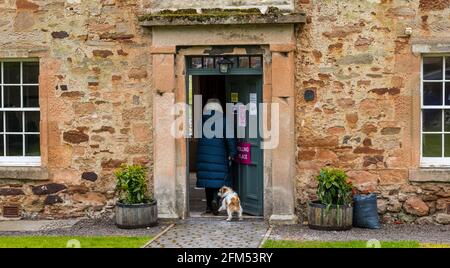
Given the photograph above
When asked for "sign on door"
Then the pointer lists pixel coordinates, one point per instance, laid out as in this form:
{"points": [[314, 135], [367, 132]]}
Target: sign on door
{"points": [[244, 153]]}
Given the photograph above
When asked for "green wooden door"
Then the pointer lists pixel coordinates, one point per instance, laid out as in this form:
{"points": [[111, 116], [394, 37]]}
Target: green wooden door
{"points": [[248, 179]]}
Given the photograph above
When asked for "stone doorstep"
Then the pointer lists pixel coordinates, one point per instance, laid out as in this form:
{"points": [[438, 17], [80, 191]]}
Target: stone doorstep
{"points": [[211, 216]]}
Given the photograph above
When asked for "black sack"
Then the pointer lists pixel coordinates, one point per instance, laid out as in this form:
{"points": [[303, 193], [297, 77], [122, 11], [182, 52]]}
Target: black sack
{"points": [[365, 211]]}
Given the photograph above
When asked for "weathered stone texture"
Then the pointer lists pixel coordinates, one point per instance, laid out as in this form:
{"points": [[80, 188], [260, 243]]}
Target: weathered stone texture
{"points": [[96, 97], [94, 61], [356, 57], [434, 4], [90, 176], [50, 188]]}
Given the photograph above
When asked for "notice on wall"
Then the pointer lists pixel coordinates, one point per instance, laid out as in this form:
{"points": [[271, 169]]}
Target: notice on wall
{"points": [[234, 97], [244, 153], [242, 116], [253, 109]]}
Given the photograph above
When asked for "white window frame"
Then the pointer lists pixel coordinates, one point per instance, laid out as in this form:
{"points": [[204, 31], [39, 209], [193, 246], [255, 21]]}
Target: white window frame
{"points": [[17, 160], [434, 161]]}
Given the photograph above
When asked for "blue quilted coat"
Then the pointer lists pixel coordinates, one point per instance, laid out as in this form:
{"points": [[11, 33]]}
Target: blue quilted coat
{"points": [[212, 159]]}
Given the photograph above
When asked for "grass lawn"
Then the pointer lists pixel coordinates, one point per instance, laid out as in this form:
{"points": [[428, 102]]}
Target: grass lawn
{"points": [[337, 244], [62, 241]]}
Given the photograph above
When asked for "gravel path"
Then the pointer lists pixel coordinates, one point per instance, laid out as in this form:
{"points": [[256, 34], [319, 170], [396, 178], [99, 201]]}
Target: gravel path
{"points": [[92, 227], [422, 233]]}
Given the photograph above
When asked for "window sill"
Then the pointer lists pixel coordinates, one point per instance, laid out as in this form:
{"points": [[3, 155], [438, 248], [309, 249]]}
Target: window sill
{"points": [[23, 173], [20, 161], [430, 175]]}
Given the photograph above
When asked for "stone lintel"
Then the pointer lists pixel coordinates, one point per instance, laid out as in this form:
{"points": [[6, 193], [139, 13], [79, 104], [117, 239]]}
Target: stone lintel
{"points": [[429, 175], [220, 19], [431, 46]]}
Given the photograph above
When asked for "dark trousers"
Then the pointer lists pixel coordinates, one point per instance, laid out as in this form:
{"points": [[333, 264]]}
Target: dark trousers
{"points": [[211, 194]]}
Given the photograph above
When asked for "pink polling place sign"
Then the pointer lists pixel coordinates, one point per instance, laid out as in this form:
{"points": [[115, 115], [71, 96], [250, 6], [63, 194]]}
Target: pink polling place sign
{"points": [[244, 153]]}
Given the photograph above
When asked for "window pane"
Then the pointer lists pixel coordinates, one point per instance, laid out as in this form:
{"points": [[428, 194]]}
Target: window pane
{"points": [[196, 63], [11, 72], [255, 62], [432, 145], [2, 147], [1, 124], [244, 62], [447, 145], [30, 72], [31, 121], [14, 145], [447, 120], [432, 120], [209, 63], [432, 68], [30, 96], [447, 67], [13, 121], [32, 145], [432, 93], [447, 93], [11, 96]]}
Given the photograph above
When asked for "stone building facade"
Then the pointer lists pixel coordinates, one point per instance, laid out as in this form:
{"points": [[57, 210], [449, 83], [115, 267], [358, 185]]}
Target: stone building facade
{"points": [[108, 70]]}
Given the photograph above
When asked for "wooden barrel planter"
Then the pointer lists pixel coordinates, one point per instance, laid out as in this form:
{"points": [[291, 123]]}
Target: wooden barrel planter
{"points": [[334, 219], [136, 216]]}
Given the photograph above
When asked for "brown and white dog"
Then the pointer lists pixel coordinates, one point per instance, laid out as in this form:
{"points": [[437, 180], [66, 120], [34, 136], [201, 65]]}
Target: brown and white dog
{"points": [[230, 202]]}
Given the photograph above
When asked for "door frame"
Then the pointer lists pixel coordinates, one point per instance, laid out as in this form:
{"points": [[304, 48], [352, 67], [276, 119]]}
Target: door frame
{"points": [[170, 46], [208, 72]]}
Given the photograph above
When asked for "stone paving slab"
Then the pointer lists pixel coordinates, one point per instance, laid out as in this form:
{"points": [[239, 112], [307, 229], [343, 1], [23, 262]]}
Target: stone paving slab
{"points": [[34, 226], [213, 233]]}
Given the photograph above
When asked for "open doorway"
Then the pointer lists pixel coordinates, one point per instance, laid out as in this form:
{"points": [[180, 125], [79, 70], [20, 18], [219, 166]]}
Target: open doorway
{"points": [[247, 179], [208, 86]]}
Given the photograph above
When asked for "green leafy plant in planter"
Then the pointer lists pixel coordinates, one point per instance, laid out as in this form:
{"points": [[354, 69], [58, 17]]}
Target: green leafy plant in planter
{"points": [[332, 210], [334, 187], [136, 207], [132, 186]]}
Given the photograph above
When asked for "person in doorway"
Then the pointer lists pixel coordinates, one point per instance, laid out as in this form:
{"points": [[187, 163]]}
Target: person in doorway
{"points": [[213, 157]]}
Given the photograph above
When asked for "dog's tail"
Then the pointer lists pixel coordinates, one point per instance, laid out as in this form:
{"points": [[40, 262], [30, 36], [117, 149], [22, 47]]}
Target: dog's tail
{"points": [[235, 203]]}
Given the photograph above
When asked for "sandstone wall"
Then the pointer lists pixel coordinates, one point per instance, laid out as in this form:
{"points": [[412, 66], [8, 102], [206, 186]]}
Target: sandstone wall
{"points": [[356, 57], [95, 99]]}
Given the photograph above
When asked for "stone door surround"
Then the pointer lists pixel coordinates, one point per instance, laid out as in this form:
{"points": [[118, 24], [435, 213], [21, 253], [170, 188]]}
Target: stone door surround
{"points": [[170, 47]]}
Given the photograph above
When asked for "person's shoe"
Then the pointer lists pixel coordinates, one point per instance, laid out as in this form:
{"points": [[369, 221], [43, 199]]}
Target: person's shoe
{"points": [[208, 210], [215, 208]]}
